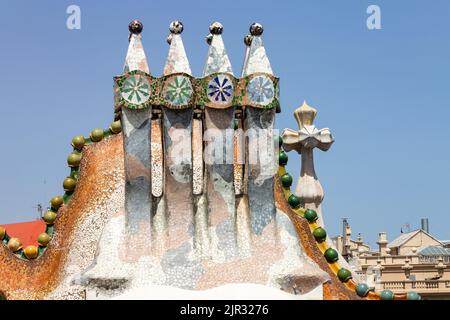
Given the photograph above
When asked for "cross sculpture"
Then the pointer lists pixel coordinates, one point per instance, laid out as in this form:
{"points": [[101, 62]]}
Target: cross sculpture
{"points": [[309, 189]]}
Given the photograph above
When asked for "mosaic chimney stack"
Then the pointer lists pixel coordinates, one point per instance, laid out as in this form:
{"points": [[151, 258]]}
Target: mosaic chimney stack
{"points": [[136, 129], [200, 161], [177, 93], [219, 143], [258, 125]]}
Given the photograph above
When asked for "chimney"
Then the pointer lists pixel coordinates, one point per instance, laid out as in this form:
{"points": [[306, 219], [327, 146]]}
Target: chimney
{"points": [[424, 224], [382, 243], [339, 244], [346, 233]]}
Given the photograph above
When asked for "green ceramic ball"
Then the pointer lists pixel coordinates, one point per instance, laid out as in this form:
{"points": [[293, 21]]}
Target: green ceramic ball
{"points": [[286, 180], [344, 274], [331, 255], [413, 296], [78, 142], [49, 217], [14, 244], [44, 239], [310, 215], [73, 160], [362, 289], [56, 202], [294, 201], [31, 252], [282, 158], [69, 184], [386, 295], [320, 234], [96, 135], [116, 127]]}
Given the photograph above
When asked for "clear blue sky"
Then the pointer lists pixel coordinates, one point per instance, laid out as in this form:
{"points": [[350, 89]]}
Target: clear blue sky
{"points": [[384, 94]]}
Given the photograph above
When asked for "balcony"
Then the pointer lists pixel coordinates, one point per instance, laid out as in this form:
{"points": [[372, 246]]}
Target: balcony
{"points": [[421, 286]]}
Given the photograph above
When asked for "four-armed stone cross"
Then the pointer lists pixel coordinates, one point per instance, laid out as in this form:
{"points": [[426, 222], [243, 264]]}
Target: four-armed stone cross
{"points": [[309, 189]]}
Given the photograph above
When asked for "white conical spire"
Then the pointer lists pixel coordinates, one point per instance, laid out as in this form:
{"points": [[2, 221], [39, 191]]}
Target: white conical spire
{"points": [[217, 60], [136, 59], [257, 60], [177, 60]]}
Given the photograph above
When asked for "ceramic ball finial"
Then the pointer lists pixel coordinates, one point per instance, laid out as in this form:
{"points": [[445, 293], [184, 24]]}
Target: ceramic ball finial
{"points": [[216, 28], [176, 27], [248, 40], [256, 29], [135, 27]]}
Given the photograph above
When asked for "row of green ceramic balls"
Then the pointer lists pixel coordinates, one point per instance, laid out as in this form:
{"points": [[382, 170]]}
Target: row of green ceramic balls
{"points": [[69, 184], [320, 234]]}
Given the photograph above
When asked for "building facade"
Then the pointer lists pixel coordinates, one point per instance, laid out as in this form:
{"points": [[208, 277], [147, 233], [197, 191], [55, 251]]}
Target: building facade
{"points": [[414, 260]]}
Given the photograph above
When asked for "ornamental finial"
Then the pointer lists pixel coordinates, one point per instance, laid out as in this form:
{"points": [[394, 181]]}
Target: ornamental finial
{"points": [[305, 115], [248, 40], [309, 189], [216, 28], [176, 27], [135, 27], [256, 29], [217, 60], [257, 60], [135, 59], [177, 60]]}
